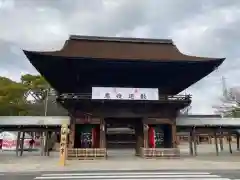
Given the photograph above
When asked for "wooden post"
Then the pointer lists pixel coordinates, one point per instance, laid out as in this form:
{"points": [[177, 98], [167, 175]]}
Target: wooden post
{"points": [[216, 143], [72, 132], [63, 144], [18, 142], [49, 139], [237, 136], [209, 139], [195, 141], [42, 134], [137, 139], [229, 142], [190, 143], [139, 132], [46, 143], [198, 139], [102, 133], [174, 135], [22, 143], [221, 140], [145, 136]]}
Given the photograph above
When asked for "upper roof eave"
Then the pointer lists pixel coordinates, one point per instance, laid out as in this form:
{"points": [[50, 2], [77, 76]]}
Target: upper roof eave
{"points": [[55, 54]]}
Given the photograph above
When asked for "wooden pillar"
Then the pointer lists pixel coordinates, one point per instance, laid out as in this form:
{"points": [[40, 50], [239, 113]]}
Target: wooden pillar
{"points": [[146, 143], [216, 142], [46, 143], [178, 138], [49, 139], [42, 134], [139, 137], [102, 133], [209, 139], [221, 140], [22, 143], [72, 133], [174, 135], [237, 136], [229, 142], [137, 153], [194, 134], [190, 139], [198, 139], [18, 142]]}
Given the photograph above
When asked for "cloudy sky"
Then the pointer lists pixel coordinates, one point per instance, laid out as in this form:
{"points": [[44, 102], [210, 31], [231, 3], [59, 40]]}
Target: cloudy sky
{"points": [[198, 27]]}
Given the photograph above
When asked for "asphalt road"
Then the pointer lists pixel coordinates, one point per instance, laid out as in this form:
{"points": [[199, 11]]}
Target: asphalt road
{"points": [[126, 175]]}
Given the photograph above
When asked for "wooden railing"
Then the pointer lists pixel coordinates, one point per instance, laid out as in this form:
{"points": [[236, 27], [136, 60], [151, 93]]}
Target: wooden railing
{"points": [[86, 96], [86, 153], [160, 153]]}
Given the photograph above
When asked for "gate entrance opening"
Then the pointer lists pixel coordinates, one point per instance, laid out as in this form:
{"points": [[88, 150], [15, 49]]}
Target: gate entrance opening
{"points": [[121, 133], [121, 137]]}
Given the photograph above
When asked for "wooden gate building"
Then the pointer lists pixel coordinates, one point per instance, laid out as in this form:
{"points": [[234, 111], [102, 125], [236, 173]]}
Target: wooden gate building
{"points": [[107, 82]]}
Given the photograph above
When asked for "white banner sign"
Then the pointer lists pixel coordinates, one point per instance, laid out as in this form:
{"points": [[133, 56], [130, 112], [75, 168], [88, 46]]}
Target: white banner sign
{"points": [[124, 93]]}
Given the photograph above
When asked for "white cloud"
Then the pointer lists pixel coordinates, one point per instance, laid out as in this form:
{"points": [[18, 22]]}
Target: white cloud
{"points": [[203, 28]]}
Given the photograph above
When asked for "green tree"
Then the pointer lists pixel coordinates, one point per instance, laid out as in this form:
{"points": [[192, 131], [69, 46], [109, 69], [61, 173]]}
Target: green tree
{"points": [[12, 101], [37, 86], [14, 97], [44, 96]]}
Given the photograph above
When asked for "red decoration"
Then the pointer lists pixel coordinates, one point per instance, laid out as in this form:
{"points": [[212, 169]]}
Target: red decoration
{"points": [[151, 137]]}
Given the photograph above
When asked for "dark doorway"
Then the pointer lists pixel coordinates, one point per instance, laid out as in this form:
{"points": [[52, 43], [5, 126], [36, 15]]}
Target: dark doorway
{"points": [[121, 138], [120, 133]]}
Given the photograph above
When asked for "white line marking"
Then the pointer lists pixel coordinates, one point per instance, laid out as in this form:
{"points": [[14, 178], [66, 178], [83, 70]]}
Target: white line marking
{"points": [[162, 178], [127, 173], [129, 176]]}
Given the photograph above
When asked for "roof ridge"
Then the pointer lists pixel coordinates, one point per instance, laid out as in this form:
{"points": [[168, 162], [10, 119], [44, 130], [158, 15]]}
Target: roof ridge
{"points": [[121, 39]]}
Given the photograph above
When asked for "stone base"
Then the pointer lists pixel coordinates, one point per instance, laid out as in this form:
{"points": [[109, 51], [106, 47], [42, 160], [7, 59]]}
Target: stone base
{"points": [[86, 153], [160, 153]]}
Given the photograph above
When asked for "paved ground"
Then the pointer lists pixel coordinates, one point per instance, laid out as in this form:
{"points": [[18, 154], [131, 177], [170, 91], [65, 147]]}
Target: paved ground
{"points": [[124, 160], [127, 175]]}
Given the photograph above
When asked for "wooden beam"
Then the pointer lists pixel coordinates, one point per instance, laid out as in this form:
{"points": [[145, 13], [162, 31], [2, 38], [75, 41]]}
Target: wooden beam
{"points": [[158, 121]]}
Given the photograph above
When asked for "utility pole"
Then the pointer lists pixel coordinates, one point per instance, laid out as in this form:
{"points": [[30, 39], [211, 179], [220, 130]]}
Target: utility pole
{"points": [[46, 102], [224, 88]]}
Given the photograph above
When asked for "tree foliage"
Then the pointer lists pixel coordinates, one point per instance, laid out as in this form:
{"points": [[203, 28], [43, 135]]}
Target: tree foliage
{"points": [[27, 97], [37, 86]]}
